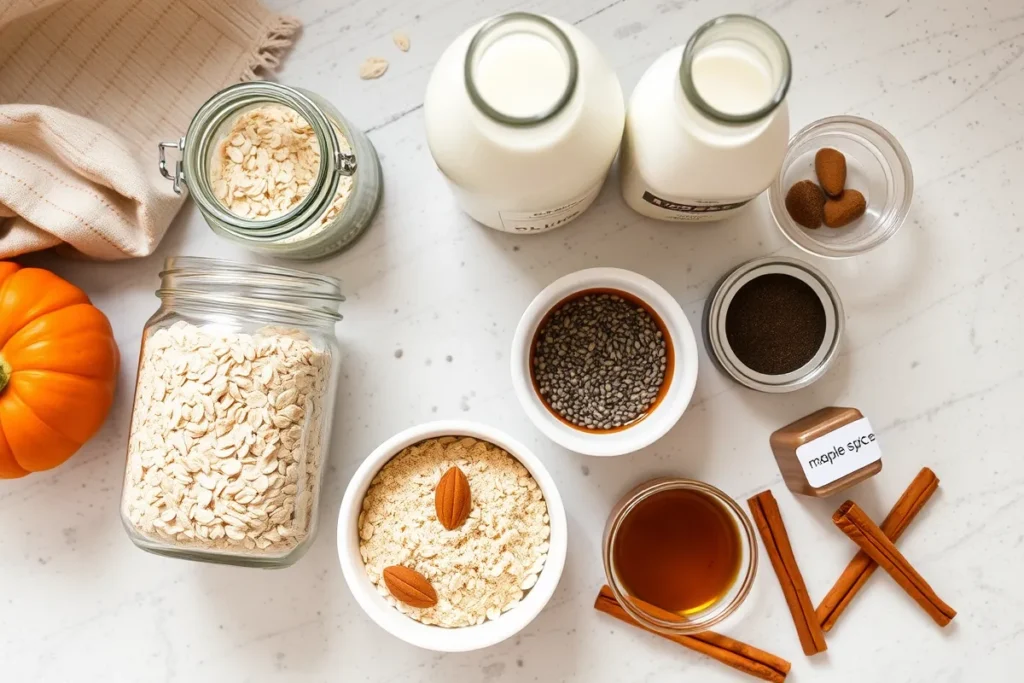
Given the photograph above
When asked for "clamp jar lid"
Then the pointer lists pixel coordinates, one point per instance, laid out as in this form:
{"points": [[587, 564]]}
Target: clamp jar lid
{"points": [[278, 170], [773, 324]]}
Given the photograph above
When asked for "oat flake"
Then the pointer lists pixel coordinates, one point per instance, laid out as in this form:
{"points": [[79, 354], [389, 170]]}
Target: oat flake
{"points": [[373, 67]]}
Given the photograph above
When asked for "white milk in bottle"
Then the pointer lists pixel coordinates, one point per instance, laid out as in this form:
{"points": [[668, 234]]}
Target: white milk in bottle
{"points": [[523, 118], [707, 125]]}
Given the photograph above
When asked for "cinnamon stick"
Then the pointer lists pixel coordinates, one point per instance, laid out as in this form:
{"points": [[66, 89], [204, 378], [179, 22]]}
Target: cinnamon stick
{"points": [[768, 519], [855, 523], [740, 656], [861, 567]]}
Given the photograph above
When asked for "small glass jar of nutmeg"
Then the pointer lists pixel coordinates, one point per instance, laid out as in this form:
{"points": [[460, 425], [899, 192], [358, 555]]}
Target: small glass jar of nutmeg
{"points": [[679, 555], [278, 170]]}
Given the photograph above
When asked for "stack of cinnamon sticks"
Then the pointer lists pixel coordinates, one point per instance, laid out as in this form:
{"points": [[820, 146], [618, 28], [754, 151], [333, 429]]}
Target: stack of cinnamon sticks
{"points": [[877, 549]]}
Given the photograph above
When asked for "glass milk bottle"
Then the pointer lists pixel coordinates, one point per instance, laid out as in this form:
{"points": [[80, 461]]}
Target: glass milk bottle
{"points": [[707, 125], [523, 118]]}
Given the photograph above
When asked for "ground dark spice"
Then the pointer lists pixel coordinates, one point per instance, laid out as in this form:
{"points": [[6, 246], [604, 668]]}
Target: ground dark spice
{"points": [[775, 324]]}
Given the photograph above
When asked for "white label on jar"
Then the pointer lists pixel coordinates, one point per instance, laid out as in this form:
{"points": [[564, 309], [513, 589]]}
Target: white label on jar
{"points": [[548, 219], [839, 453], [691, 210]]}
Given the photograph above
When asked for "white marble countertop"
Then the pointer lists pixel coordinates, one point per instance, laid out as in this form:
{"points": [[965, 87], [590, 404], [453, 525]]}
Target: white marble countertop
{"points": [[932, 355]]}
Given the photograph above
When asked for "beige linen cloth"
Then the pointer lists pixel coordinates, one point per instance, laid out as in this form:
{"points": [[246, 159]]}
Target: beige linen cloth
{"points": [[88, 88]]}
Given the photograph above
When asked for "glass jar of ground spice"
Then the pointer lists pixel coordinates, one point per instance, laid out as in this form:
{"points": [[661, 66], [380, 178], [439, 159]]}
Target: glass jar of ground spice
{"points": [[278, 170], [773, 324]]}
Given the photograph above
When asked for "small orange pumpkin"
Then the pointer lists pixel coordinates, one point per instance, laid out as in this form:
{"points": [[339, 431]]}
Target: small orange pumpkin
{"points": [[58, 369]]}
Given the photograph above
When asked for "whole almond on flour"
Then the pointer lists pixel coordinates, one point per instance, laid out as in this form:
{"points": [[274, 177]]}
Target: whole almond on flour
{"points": [[452, 499], [409, 586], [830, 165]]}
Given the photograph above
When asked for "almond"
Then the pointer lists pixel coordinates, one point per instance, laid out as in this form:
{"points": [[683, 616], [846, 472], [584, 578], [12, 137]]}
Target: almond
{"points": [[830, 165], [452, 499], [805, 203], [849, 206], [409, 586]]}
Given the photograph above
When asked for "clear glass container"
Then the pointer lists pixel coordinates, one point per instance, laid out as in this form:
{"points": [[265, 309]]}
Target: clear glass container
{"points": [[727, 606], [348, 175], [232, 413], [876, 166]]}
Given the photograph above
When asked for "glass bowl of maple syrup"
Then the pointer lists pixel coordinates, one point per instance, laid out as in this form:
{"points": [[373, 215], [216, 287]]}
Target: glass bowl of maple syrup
{"points": [[679, 555]]}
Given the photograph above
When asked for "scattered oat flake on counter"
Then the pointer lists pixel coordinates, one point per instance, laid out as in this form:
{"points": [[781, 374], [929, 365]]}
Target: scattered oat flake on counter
{"points": [[401, 40], [373, 67]]}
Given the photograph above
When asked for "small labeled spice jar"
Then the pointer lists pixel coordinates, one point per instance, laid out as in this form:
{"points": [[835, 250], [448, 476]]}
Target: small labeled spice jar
{"points": [[232, 412], [278, 170], [827, 451], [773, 324]]}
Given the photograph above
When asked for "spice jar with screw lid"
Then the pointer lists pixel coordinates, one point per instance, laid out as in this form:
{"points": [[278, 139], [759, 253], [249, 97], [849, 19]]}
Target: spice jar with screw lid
{"points": [[773, 324], [278, 170], [231, 420]]}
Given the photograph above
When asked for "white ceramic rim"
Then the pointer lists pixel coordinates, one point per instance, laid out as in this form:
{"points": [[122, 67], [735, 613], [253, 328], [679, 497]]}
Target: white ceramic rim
{"points": [[438, 638], [668, 411]]}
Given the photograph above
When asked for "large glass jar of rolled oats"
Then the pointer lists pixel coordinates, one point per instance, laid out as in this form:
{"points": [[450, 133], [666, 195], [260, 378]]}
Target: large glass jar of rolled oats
{"points": [[278, 170], [232, 413]]}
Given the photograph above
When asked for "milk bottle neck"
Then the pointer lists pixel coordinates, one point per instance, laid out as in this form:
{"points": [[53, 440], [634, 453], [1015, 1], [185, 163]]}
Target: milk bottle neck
{"points": [[735, 70], [520, 69]]}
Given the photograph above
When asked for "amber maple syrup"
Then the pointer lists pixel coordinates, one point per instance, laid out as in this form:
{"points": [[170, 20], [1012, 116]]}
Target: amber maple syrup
{"points": [[679, 550]]}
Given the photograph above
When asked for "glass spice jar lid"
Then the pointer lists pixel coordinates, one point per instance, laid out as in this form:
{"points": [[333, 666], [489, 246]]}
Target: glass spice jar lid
{"points": [[773, 324]]}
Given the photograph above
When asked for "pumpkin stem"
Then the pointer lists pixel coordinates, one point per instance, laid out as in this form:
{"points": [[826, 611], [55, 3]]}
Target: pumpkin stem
{"points": [[5, 372]]}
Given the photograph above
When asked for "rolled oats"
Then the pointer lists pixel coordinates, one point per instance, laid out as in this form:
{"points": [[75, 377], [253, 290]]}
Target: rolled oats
{"points": [[480, 569], [267, 163], [213, 462]]}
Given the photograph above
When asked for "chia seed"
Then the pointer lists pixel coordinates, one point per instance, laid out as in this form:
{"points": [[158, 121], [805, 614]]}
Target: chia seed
{"points": [[599, 361]]}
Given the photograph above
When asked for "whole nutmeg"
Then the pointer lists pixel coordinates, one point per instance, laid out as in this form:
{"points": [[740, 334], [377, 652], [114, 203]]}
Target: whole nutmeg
{"points": [[409, 586], [452, 499], [848, 207], [830, 165], [805, 203]]}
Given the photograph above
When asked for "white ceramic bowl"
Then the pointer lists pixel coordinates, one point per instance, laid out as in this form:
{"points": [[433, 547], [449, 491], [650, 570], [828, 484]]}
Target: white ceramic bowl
{"points": [[681, 381], [436, 637]]}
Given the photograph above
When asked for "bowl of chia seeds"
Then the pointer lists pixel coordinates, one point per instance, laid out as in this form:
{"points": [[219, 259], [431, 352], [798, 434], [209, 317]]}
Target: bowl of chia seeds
{"points": [[604, 361]]}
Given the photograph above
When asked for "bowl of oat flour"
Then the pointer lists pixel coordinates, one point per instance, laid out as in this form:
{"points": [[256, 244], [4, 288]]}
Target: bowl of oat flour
{"points": [[452, 536]]}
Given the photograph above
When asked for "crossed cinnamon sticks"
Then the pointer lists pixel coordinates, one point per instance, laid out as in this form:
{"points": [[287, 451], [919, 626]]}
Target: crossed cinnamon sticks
{"points": [[877, 549]]}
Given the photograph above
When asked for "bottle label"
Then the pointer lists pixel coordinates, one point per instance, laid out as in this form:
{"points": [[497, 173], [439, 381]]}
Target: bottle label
{"points": [[691, 210], [529, 222], [838, 453]]}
